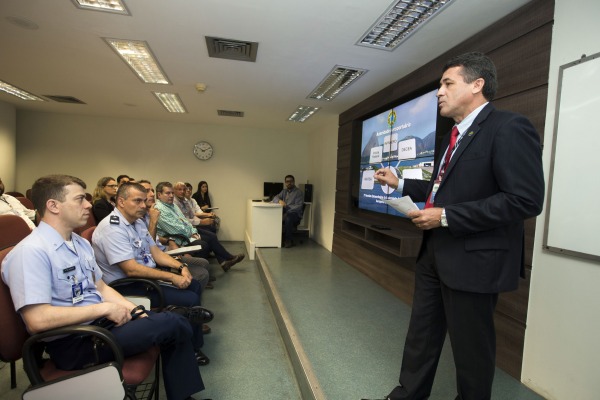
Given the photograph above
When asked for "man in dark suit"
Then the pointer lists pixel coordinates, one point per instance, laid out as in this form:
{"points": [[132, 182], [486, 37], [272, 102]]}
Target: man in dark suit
{"points": [[486, 182]]}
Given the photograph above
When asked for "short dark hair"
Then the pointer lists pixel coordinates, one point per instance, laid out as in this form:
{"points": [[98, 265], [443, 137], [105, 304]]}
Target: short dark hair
{"points": [[121, 177], [161, 185], [476, 65], [127, 187], [51, 187], [290, 176]]}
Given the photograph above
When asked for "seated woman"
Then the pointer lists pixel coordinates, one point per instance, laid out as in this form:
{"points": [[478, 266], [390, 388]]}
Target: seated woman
{"points": [[103, 198], [207, 218], [201, 196]]}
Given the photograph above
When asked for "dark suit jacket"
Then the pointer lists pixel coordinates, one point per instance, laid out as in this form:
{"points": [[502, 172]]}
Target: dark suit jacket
{"points": [[493, 183], [101, 209]]}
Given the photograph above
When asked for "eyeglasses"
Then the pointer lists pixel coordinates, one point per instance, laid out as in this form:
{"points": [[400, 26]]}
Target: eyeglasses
{"points": [[111, 186]]}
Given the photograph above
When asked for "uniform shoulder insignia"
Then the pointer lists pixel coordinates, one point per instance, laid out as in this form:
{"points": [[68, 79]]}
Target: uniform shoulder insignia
{"points": [[114, 219]]}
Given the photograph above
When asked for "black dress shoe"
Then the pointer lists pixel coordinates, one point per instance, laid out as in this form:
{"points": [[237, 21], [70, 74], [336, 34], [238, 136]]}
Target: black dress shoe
{"points": [[226, 265], [201, 358], [195, 314]]}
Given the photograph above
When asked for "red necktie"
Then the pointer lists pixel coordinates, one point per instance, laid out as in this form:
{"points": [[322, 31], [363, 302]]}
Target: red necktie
{"points": [[453, 137]]}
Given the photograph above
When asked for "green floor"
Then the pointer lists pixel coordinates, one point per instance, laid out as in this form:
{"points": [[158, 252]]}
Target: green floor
{"points": [[351, 330]]}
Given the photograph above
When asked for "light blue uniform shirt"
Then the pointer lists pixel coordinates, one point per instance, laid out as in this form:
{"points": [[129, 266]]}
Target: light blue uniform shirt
{"points": [[116, 240], [42, 268]]}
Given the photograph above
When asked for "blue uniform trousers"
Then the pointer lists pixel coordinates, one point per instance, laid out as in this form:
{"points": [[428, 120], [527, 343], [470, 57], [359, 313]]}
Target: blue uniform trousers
{"points": [[173, 296], [170, 331]]}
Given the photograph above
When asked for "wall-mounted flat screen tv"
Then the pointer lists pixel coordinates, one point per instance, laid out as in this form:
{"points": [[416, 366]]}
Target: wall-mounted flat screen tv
{"points": [[402, 138]]}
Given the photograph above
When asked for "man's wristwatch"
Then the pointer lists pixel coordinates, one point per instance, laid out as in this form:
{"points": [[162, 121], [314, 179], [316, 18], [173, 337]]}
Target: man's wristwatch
{"points": [[443, 220], [182, 266]]}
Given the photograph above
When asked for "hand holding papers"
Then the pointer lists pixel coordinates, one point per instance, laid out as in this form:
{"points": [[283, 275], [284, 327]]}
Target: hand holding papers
{"points": [[403, 204]]}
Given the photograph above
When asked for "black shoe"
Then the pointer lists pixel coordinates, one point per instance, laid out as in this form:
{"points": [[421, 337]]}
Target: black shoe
{"points": [[195, 314], [288, 244], [201, 358], [226, 265]]}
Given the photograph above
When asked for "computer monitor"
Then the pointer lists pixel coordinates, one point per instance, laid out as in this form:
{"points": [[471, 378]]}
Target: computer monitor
{"points": [[272, 189]]}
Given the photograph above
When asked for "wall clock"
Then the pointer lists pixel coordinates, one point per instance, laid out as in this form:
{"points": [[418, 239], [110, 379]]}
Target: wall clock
{"points": [[203, 150]]}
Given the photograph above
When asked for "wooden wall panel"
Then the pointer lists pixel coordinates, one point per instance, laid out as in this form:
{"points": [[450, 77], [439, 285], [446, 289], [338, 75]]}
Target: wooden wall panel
{"points": [[520, 47]]}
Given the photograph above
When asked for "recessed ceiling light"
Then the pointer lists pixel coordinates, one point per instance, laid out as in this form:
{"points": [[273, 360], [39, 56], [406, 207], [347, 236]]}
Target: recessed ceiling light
{"points": [[139, 58], [113, 6], [338, 79], [400, 21], [302, 113], [15, 91], [170, 101]]}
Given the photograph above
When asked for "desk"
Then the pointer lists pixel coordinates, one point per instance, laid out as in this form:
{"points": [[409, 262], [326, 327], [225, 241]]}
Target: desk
{"points": [[263, 225]]}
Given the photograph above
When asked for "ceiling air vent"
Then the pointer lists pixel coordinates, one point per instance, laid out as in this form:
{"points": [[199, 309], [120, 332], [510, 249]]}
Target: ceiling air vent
{"points": [[64, 99], [228, 113], [231, 49]]}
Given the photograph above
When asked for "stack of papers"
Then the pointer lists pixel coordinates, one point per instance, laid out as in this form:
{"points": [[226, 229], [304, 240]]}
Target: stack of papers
{"points": [[183, 250], [403, 204]]}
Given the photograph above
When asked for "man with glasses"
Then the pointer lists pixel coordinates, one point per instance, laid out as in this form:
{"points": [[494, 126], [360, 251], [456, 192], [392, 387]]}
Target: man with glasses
{"points": [[292, 200]]}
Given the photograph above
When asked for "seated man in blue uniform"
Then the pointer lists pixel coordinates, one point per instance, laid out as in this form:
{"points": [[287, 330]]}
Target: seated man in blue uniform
{"points": [[54, 282], [124, 248]]}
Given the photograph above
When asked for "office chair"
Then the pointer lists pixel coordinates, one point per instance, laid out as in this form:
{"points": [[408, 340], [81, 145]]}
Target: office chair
{"points": [[12, 230]]}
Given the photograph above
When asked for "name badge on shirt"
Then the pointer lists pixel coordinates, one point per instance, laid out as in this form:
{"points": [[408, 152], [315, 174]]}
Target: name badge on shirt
{"points": [[69, 269], [77, 291], [114, 219]]}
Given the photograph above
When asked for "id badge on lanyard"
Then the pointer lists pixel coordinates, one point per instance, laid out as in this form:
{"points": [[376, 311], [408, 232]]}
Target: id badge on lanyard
{"points": [[77, 290], [435, 188]]}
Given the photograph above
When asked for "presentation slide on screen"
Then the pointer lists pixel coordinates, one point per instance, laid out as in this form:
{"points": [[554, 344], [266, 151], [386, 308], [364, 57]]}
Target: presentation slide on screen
{"points": [[404, 140]]}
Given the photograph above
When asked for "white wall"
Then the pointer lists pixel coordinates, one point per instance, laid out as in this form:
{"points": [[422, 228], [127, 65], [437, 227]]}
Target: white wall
{"points": [[562, 340], [322, 170], [93, 147], [8, 145]]}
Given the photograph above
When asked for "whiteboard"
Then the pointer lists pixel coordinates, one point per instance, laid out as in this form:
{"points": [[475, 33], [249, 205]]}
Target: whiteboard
{"points": [[572, 212]]}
